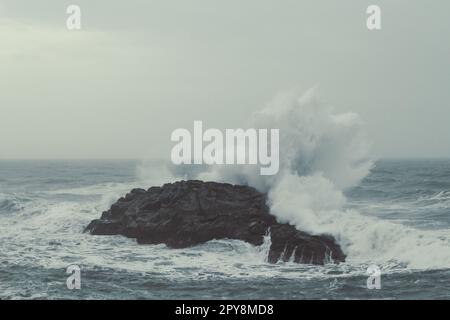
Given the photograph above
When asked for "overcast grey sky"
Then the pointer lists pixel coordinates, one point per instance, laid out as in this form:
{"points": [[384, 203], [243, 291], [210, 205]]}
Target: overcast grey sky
{"points": [[139, 69]]}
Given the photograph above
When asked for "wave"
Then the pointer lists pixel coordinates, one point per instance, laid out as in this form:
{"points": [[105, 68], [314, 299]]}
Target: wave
{"points": [[438, 200], [12, 202], [322, 154], [8, 205]]}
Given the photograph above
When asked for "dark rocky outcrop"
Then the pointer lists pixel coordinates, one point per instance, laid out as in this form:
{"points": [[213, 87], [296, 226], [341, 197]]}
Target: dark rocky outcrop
{"points": [[187, 213]]}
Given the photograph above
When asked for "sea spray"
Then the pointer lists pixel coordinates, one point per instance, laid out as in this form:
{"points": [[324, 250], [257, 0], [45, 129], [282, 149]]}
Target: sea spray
{"points": [[313, 140], [322, 154]]}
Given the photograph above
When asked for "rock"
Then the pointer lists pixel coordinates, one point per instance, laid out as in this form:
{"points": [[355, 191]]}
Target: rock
{"points": [[290, 244], [187, 213]]}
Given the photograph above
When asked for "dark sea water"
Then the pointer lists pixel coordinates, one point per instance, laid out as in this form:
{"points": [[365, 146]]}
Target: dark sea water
{"points": [[399, 220]]}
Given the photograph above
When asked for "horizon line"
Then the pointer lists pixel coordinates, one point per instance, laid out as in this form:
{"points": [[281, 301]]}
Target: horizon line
{"points": [[162, 159]]}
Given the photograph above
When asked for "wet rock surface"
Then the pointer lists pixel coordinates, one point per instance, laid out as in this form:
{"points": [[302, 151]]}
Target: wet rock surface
{"points": [[187, 213]]}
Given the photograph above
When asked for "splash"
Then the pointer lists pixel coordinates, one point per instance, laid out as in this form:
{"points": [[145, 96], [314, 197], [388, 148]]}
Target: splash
{"points": [[313, 140], [323, 153]]}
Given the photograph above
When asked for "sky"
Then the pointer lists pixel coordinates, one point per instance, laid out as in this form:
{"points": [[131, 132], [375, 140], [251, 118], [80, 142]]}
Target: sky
{"points": [[139, 69]]}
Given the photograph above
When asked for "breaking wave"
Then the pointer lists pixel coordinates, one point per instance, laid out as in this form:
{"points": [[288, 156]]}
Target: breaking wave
{"points": [[322, 154]]}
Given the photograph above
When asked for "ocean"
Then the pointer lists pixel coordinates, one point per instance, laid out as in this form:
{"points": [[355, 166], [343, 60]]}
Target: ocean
{"points": [[397, 218]]}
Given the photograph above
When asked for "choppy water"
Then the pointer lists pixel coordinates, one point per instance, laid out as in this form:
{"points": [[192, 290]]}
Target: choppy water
{"points": [[44, 206]]}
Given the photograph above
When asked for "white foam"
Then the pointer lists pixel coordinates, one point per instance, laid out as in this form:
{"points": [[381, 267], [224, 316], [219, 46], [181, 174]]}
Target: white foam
{"points": [[322, 153]]}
